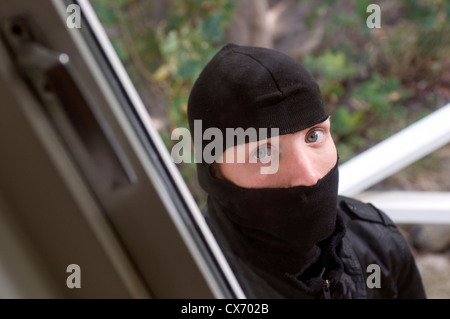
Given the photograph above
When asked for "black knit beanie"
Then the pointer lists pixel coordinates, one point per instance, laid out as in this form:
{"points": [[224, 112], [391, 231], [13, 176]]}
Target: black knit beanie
{"points": [[252, 87]]}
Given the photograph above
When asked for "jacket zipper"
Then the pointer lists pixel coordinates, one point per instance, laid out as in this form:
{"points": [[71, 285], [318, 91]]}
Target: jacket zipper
{"points": [[326, 289], [326, 286]]}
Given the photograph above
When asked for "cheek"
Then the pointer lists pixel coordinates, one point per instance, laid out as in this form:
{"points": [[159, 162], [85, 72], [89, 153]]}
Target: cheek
{"points": [[259, 180], [329, 157], [246, 175], [234, 173]]}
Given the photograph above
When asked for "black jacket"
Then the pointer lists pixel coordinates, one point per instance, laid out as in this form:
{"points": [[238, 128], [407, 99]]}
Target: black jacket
{"points": [[371, 238]]}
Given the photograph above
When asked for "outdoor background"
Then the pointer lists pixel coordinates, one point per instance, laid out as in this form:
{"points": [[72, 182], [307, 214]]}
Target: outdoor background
{"points": [[375, 82]]}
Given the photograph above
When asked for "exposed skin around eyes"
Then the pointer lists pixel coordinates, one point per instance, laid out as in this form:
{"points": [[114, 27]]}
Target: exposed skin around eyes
{"points": [[303, 158]]}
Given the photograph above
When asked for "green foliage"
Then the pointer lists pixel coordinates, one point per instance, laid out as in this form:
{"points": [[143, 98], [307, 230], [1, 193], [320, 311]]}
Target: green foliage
{"points": [[190, 37], [417, 47], [361, 9], [373, 112], [169, 54], [331, 69], [346, 123], [368, 77], [428, 14], [186, 45], [105, 12]]}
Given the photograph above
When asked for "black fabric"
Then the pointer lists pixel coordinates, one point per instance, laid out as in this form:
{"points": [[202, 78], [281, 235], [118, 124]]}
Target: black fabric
{"points": [[328, 267], [306, 282], [251, 87], [369, 237], [281, 219], [281, 231], [269, 265]]}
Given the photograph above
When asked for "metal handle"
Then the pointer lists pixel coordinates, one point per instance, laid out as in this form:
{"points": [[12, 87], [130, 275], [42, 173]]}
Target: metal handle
{"points": [[48, 75]]}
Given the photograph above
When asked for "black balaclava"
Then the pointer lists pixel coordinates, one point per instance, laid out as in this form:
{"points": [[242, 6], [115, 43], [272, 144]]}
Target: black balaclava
{"points": [[280, 232]]}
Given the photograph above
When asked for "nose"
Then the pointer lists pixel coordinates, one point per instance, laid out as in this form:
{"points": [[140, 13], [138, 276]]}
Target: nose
{"points": [[303, 168]]}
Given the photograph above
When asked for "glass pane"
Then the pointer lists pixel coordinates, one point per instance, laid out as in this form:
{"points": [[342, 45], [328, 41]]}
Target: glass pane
{"points": [[379, 68]]}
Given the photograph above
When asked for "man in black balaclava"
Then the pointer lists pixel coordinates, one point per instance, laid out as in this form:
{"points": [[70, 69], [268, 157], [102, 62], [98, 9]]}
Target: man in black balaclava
{"points": [[286, 233]]}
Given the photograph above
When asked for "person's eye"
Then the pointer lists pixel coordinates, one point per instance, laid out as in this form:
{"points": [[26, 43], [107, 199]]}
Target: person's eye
{"points": [[263, 153], [314, 136]]}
